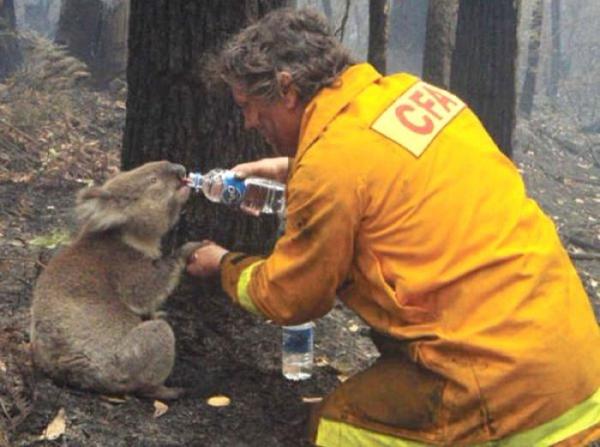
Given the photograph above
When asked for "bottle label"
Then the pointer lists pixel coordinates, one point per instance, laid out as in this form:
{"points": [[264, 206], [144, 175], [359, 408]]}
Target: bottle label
{"points": [[297, 341], [234, 189]]}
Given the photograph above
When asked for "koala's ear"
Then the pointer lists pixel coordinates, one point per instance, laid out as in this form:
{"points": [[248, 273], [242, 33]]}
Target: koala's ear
{"points": [[98, 210]]}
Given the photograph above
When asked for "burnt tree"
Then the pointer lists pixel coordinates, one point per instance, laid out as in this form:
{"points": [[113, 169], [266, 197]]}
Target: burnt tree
{"points": [[533, 59], [95, 31], [406, 36], [172, 115], [439, 42], [483, 64], [37, 16], [378, 12], [328, 10], [556, 56], [10, 52]]}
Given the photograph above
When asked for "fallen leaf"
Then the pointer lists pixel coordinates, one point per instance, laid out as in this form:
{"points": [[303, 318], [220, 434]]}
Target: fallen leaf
{"points": [[56, 428], [342, 377], [218, 401], [311, 400], [120, 105], [321, 361], [52, 240], [113, 399], [23, 178], [160, 408]]}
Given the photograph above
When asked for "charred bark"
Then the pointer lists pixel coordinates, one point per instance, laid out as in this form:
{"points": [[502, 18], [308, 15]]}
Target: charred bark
{"points": [[95, 31], [533, 59], [483, 64], [440, 37], [172, 115], [378, 12], [10, 52], [556, 56]]}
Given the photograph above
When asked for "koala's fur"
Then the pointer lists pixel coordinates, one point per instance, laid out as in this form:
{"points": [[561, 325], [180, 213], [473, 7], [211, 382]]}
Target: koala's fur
{"points": [[94, 309]]}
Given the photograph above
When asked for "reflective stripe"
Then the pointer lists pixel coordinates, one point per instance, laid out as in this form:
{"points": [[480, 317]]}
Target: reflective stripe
{"points": [[242, 289], [579, 418], [339, 434]]}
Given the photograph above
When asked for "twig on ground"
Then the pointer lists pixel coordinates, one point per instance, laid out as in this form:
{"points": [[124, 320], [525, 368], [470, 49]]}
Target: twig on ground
{"points": [[4, 410], [9, 145], [584, 256], [19, 131], [575, 240]]}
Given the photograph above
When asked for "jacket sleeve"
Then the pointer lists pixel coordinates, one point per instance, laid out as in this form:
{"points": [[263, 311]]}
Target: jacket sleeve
{"points": [[298, 281]]}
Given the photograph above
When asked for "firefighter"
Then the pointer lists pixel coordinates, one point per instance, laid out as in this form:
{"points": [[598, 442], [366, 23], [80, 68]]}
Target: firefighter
{"points": [[400, 204]]}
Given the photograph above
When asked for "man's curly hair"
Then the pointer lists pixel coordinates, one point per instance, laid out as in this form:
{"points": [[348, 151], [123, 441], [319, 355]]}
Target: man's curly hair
{"points": [[297, 41]]}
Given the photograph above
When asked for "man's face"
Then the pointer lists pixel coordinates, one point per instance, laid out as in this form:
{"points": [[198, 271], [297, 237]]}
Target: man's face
{"points": [[277, 121]]}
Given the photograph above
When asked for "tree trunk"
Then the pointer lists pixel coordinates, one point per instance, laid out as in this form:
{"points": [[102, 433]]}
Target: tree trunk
{"points": [[378, 12], [407, 36], [111, 47], [78, 27], [328, 10], [533, 59], [10, 52], [171, 115], [36, 16], [439, 41], [556, 56], [483, 64], [95, 31]]}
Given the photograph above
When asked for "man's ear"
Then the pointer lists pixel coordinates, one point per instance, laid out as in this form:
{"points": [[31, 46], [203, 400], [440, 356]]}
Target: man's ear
{"points": [[289, 91]]}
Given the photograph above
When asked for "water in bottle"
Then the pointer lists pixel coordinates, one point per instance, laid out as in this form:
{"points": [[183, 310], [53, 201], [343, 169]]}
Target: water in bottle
{"points": [[297, 351], [263, 196], [254, 195]]}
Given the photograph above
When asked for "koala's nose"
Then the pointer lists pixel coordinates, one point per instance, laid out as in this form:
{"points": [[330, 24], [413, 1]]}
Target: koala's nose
{"points": [[178, 170]]}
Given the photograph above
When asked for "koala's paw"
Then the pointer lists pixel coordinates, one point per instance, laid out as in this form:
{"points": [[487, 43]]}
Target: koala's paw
{"points": [[186, 250], [162, 393]]}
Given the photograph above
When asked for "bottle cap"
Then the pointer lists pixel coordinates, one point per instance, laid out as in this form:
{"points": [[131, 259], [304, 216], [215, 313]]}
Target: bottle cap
{"points": [[195, 180]]}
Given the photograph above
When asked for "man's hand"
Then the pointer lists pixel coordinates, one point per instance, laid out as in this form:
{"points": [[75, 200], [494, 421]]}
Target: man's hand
{"points": [[206, 260], [271, 168]]}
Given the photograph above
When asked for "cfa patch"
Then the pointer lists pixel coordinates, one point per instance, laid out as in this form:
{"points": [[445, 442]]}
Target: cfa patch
{"points": [[418, 116]]}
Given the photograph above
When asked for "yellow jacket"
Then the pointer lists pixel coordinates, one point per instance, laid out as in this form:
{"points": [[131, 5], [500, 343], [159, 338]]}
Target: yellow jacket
{"points": [[401, 204]]}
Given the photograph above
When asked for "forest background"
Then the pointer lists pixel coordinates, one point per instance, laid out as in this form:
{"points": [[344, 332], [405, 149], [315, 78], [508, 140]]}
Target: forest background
{"points": [[90, 86]]}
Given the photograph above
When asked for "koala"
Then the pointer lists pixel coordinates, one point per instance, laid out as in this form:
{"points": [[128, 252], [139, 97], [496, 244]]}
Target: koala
{"points": [[94, 316]]}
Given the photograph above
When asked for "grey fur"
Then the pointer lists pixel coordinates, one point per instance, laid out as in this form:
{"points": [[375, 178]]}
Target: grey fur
{"points": [[94, 313]]}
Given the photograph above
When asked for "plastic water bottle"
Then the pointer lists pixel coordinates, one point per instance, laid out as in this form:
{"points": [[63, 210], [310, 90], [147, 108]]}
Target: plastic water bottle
{"points": [[254, 195], [297, 351]]}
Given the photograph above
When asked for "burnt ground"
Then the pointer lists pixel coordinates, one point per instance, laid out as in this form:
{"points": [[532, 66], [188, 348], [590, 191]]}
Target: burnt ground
{"points": [[54, 142]]}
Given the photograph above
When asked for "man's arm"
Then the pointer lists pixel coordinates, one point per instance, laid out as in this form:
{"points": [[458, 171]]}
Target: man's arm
{"points": [[272, 168], [297, 282]]}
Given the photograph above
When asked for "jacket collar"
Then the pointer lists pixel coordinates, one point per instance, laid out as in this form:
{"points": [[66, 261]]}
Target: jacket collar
{"points": [[328, 103]]}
